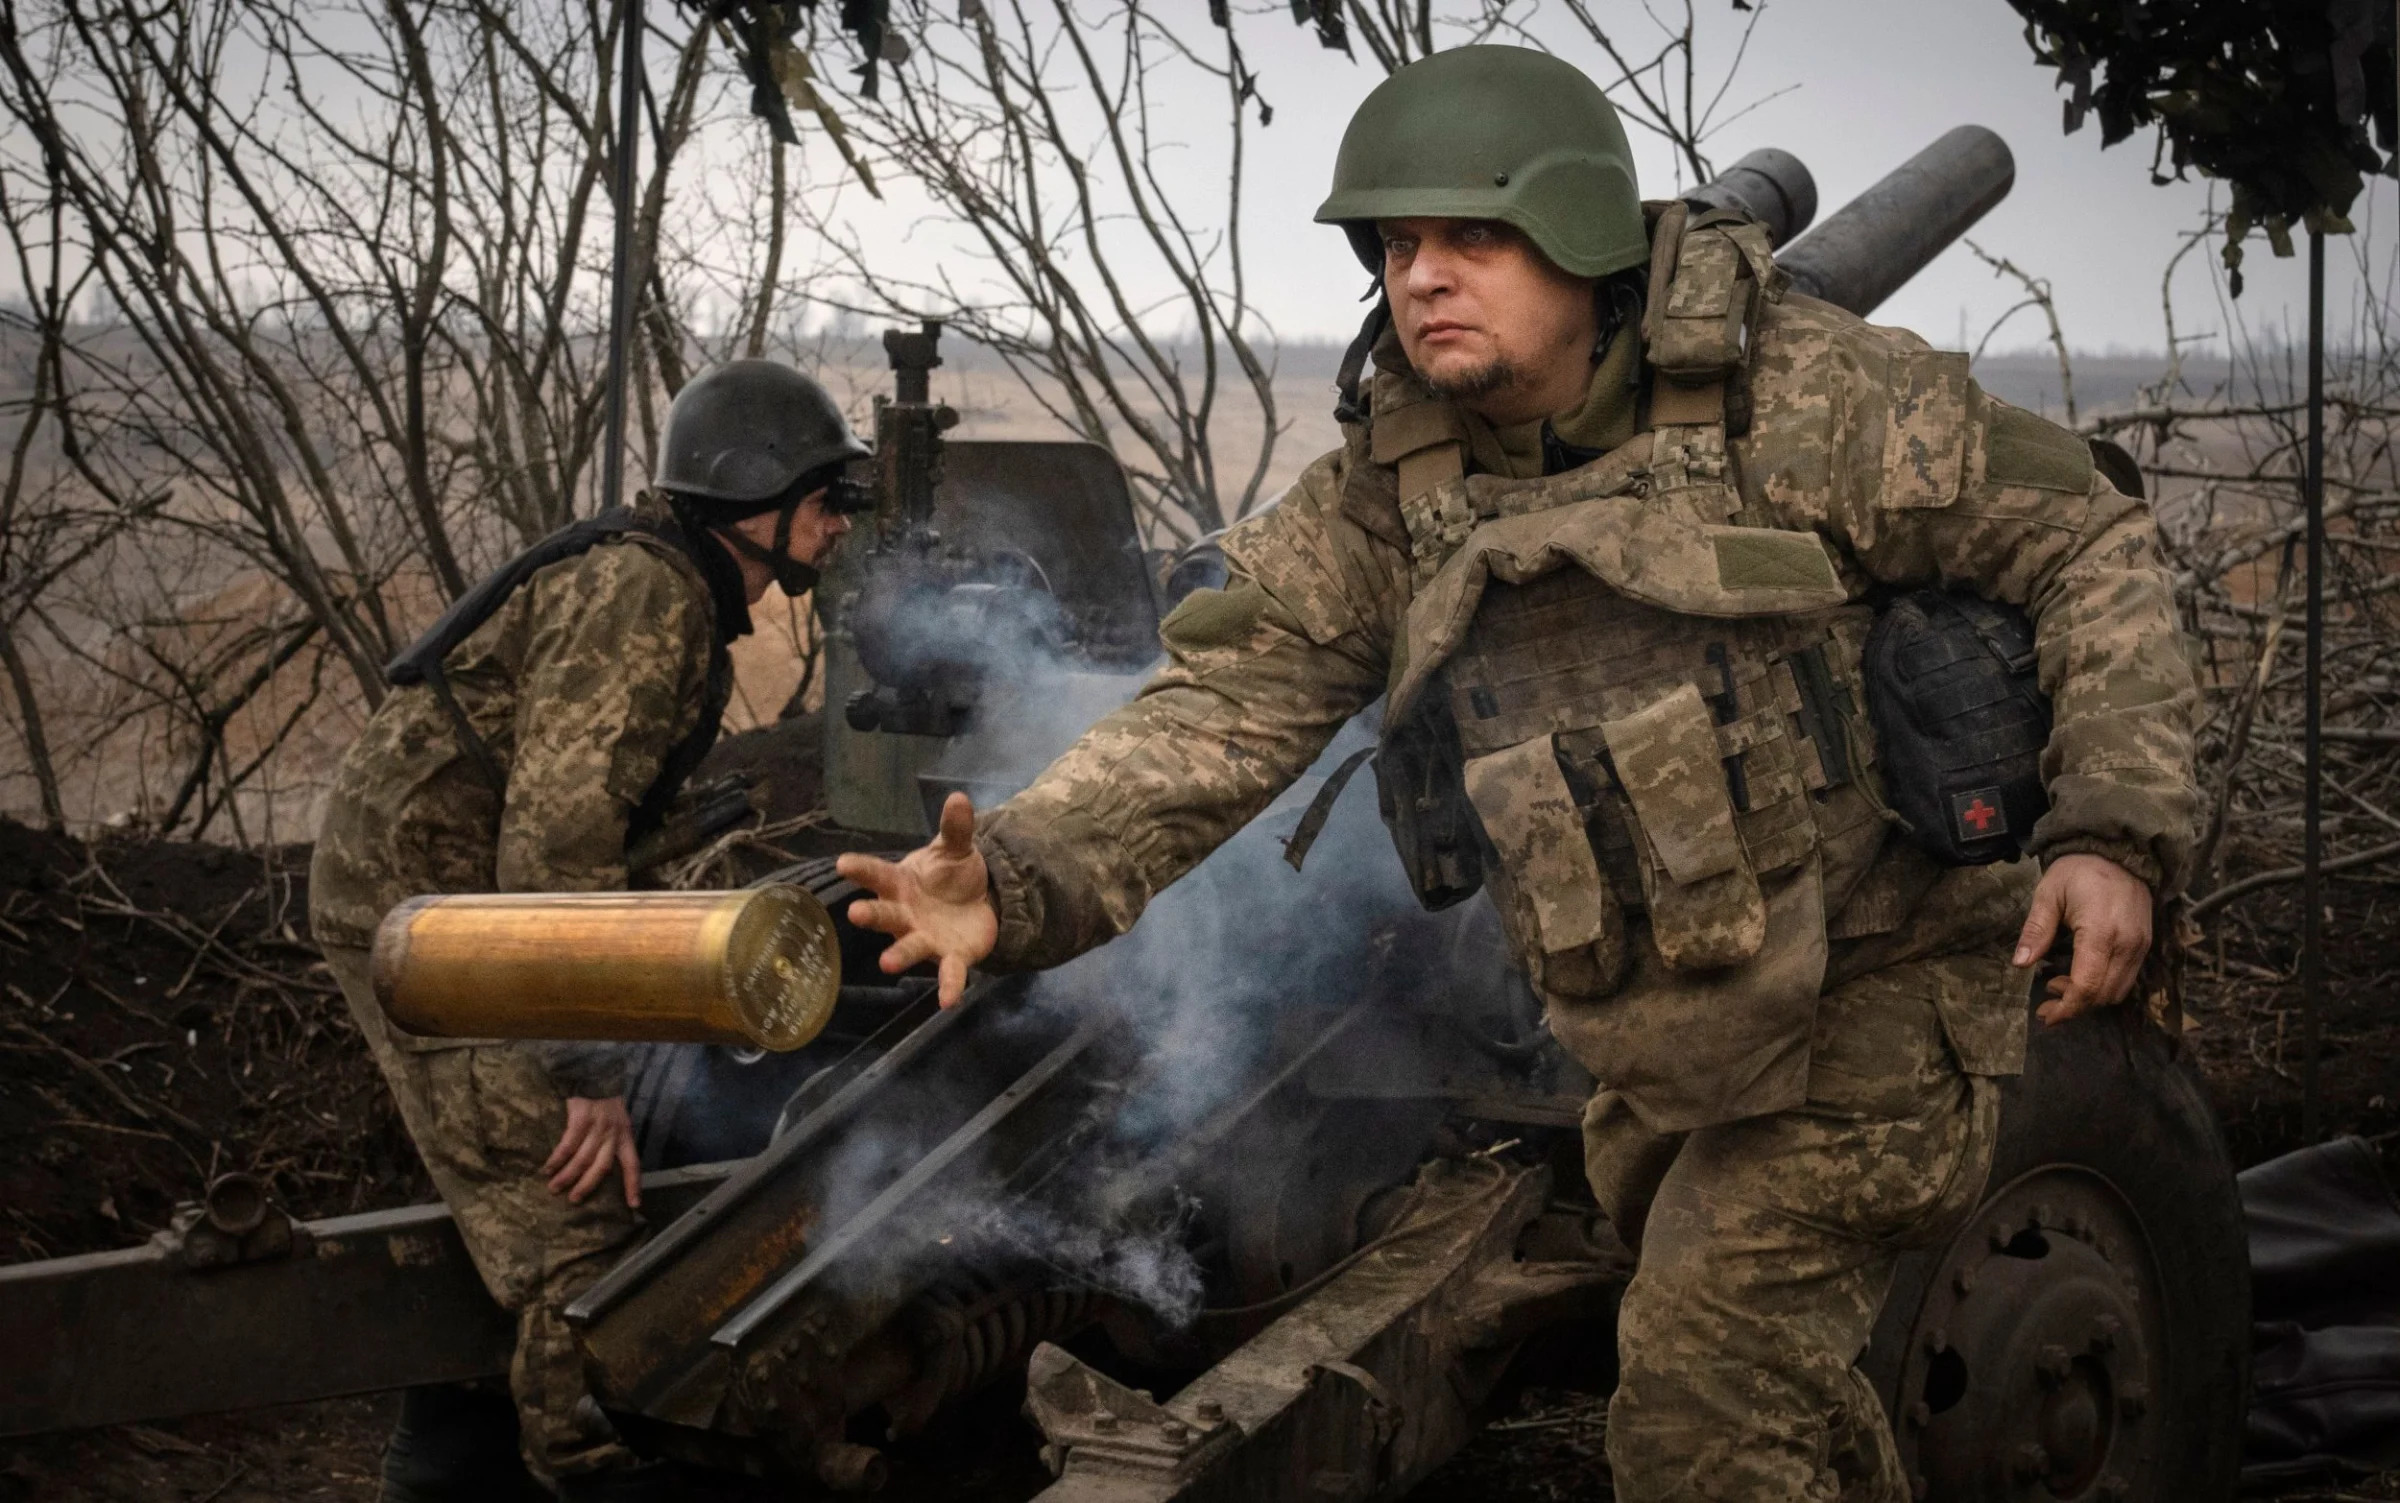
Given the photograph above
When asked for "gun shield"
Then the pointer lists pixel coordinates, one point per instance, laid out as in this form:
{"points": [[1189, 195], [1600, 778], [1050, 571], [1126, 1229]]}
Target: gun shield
{"points": [[759, 967]]}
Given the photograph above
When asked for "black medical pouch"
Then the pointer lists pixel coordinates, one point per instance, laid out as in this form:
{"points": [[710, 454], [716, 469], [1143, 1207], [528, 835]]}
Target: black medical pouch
{"points": [[1960, 723]]}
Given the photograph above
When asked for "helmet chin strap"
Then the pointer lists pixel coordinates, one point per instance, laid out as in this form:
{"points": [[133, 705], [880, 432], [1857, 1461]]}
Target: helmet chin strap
{"points": [[793, 577]]}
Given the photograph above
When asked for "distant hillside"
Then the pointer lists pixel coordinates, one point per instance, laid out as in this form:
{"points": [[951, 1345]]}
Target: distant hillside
{"points": [[2029, 379]]}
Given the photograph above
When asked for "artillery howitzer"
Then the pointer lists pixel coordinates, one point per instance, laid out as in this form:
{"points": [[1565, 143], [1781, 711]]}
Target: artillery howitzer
{"points": [[1321, 1209]]}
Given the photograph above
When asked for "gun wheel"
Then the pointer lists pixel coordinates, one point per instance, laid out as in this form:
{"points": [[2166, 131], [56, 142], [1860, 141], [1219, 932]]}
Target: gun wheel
{"points": [[2086, 1335], [2037, 1350]]}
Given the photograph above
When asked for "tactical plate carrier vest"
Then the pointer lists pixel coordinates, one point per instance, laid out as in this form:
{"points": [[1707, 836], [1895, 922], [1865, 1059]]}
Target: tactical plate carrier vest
{"points": [[1617, 694]]}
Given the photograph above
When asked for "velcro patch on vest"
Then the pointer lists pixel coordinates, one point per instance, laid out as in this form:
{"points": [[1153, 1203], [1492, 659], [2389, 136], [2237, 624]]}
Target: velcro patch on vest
{"points": [[2027, 450], [1215, 618], [1758, 558], [1978, 814]]}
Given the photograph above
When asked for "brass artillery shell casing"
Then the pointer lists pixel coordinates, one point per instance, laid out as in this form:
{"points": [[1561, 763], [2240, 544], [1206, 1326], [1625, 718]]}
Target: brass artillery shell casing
{"points": [[759, 966]]}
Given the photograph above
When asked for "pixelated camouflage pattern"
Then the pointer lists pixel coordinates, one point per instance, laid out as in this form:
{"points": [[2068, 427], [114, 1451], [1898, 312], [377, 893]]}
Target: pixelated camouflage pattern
{"points": [[1529, 812], [1861, 436], [484, 1118], [1703, 899], [1768, 1234], [1766, 1248], [581, 684]]}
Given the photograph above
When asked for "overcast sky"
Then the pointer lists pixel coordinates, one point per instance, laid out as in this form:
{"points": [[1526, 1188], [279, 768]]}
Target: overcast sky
{"points": [[1853, 87], [1869, 82]]}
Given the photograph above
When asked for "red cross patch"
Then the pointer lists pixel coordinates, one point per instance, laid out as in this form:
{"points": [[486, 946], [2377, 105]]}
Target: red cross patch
{"points": [[1978, 813]]}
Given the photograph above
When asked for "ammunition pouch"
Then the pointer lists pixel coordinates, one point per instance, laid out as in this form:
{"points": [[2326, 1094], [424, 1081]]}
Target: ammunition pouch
{"points": [[1556, 904], [1961, 721], [1637, 762], [1709, 272], [1701, 887]]}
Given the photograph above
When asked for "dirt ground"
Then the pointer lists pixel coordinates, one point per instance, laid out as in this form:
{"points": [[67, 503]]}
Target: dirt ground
{"points": [[162, 1018]]}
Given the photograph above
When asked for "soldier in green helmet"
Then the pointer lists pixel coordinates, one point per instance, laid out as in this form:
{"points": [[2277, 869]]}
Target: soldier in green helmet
{"points": [[1601, 534]]}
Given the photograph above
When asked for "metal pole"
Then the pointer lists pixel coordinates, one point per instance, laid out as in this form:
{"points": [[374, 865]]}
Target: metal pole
{"points": [[621, 269], [2312, 851]]}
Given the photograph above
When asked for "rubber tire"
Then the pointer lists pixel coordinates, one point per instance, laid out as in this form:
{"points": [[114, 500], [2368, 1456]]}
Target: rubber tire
{"points": [[2109, 1094]]}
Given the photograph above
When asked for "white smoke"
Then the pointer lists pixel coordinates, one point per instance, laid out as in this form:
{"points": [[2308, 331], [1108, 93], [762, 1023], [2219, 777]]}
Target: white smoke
{"points": [[1201, 981]]}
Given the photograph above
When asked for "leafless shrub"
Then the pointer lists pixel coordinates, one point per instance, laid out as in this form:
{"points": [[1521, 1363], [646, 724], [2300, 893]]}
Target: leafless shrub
{"points": [[310, 329], [1664, 82], [2226, 467], [1031, 124], [311, 338]]}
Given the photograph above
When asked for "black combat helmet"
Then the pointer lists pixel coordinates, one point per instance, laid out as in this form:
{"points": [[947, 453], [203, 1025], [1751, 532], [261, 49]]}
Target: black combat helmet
{"points": [[752, 436], [745, 431]]}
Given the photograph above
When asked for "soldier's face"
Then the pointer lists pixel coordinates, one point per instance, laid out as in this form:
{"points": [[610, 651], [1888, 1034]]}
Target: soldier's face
{"points": [[1486, 319], [815, 531]]}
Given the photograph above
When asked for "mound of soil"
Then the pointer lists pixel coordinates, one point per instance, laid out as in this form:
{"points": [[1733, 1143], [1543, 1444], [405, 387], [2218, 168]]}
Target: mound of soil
{"points": [[309, 1453], [164, 1020]]}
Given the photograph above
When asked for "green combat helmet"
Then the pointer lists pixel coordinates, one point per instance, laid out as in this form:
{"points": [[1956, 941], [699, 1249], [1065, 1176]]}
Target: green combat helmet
{"points": [[1491, 132]]}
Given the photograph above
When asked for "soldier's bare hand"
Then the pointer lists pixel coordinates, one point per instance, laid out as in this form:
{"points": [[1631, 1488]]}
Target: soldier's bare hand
{"points": [[2107, 909], [599, 1137], [935, 902]]}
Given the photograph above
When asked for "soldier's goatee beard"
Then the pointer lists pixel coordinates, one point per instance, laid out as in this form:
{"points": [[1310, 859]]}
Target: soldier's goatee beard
{"points": [[1495, 374]]}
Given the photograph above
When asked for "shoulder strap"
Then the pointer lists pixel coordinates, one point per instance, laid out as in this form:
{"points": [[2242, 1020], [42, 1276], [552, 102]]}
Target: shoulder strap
{"points": [[421, 661], [1710, 273], [1347, 408], [685, 757], [1423, 441]]}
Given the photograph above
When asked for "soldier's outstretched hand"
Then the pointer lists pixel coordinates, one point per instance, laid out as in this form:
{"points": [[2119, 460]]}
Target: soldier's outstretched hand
{"points": [[935, 902]]}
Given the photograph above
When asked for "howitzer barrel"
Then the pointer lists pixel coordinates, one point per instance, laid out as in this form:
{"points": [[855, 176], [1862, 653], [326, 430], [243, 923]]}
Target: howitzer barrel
{"points": [[1770, 185], [1877, 241], [759, 966]]}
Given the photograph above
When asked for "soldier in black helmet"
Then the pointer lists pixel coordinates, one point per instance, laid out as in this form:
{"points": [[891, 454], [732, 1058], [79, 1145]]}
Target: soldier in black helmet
{"points": [[542, 725]]}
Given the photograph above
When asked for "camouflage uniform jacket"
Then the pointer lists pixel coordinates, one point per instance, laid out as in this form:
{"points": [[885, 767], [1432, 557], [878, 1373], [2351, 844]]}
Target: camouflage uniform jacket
{"points": [[1860, 438], [581, 684]]}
